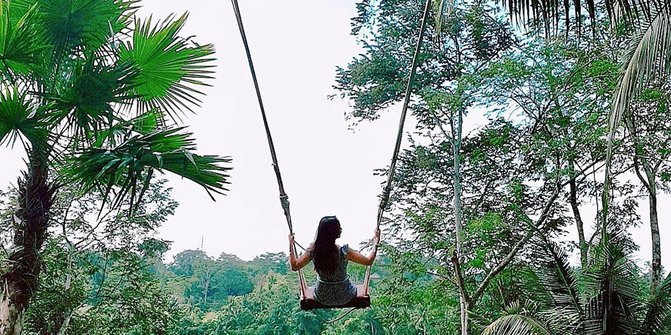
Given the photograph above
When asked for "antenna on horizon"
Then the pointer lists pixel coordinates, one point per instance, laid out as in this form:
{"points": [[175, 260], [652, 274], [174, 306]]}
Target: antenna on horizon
{"points": [[202, 240]]}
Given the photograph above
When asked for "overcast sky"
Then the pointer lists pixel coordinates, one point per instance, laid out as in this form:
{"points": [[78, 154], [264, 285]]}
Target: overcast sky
{"points": [[327, 168]]}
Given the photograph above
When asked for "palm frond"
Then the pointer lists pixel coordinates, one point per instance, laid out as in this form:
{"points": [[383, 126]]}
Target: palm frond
{"points": [[611, 290], [166, 68], [558, 277], [516, 324], [658, 310], [123, 170], [20, 41], [561, 283], [647, 59], [548, 13], [142, 124], [17, 120], [86, 100], [86, 24]]}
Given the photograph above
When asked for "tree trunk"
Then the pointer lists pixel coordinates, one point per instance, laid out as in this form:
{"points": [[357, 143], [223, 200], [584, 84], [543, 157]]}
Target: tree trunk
{"points": [[207, 286], [11, 317], [62, 330], [458, 220], [573, 199], [654, 232], [20, 281], [650, 183]]}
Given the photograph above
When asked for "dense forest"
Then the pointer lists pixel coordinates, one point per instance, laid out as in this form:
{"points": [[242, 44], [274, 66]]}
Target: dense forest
{"points": [[541, 140]]}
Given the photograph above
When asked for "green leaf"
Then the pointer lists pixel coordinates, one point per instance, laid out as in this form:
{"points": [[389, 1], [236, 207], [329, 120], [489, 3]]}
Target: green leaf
{"points": [[21, 45], [83, 23], [88, 97], [166, 68], [658, 309], [125, 167], [516, 324], [17, 118]]}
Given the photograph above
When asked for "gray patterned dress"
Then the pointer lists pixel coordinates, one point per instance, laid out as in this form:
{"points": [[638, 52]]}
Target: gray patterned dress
{"points": [[335, 288]]}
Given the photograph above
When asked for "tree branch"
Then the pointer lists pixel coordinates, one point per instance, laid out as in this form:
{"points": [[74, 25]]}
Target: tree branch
{"points": [[509, 257], [460, 279]]}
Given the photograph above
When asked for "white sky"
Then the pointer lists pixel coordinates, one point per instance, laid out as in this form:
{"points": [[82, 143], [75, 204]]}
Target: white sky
{"points": [[327, 169]]}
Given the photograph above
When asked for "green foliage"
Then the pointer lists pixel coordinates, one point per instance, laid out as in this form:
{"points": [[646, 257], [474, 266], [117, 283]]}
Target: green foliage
{"points": [[518, 324], [21, 43], [88, 67], [376, 79], [166, 69], [124, 166], [78, 78], [16, 121], [271, 308], [206, 282], [547, 103], [606, 297], [98, 273], [101, 92]]}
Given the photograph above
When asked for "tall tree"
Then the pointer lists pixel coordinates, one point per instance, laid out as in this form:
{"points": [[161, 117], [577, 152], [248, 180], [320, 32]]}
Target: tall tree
{"points": [[563, 91], [646, 59], [458, 49], [650, 137], [94, 96], [97, 271]]}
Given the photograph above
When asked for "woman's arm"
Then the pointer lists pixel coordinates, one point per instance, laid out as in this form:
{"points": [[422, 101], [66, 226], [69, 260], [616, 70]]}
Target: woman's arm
{"points": [[300, 262], [357, 257]]}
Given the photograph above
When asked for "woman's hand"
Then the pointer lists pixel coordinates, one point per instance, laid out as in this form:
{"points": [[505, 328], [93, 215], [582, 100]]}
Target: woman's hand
{"points": [[292, 257], [291, 246], [299, 262]]}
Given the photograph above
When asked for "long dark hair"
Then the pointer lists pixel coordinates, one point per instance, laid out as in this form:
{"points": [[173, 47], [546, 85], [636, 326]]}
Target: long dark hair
{"points": [[325, 253]]}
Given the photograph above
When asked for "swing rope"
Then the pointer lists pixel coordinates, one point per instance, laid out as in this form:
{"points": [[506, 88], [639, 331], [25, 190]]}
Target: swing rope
{"points": [[284, 199], [399, 137]]}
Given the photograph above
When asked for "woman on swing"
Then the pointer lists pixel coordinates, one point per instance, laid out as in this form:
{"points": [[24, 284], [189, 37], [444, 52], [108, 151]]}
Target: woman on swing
{"points": [[333, 287]]}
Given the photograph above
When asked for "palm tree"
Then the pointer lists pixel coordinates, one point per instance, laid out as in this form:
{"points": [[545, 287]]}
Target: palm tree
{"points": [[95, 97], [603, 298]]}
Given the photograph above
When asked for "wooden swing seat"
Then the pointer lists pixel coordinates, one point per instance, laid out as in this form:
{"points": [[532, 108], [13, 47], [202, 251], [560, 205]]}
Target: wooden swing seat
{"points": [[309, 303]]}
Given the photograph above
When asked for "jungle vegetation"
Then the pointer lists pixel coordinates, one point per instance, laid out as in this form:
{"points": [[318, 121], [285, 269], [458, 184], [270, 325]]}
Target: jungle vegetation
{"points": [[517, 225]]}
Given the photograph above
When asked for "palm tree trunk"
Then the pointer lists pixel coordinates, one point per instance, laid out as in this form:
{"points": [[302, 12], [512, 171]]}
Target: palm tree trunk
{"points": [[36, 196]]}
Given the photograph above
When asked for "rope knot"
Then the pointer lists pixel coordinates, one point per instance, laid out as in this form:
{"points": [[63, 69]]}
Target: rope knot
{"points": [[384, 201], [284, 200]]}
